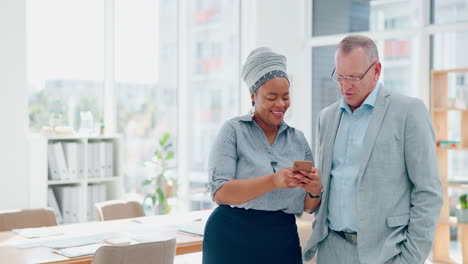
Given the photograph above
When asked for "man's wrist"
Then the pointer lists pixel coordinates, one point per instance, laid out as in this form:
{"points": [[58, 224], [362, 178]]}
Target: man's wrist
{"points": [[316, 196]]}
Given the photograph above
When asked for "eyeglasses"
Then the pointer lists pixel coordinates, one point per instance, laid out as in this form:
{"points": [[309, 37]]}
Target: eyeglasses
{"points": [[340, 79]]}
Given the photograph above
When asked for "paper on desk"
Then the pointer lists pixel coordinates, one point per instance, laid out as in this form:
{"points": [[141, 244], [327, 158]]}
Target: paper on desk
{"points": [[61, 241], [175, 219], [24, 244], [154, 221], [194, 228], [78, 251], [37, 232], [120, 241], [153, 236], [74, 241]]}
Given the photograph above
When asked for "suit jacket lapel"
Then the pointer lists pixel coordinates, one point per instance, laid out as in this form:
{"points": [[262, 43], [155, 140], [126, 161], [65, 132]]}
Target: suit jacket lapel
{"points": [[331, 131], [373, 128]]}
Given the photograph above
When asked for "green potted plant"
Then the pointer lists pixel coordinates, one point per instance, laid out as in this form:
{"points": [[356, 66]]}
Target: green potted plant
{"points": [[462, 212], [162, 186]]}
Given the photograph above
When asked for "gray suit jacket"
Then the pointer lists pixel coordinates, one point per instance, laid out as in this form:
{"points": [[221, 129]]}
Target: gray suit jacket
{"points": [[399, 189]]}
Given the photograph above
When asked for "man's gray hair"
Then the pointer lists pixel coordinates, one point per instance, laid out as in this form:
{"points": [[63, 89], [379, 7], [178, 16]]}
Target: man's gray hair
{"points": [[352, 42]]}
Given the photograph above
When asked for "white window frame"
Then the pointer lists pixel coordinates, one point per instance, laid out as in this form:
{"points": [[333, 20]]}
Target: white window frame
{"points": [[182, 104]]}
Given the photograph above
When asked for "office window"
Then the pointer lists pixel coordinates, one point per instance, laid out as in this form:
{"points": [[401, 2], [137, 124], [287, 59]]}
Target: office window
{"points": [[213, 84], [449, 11], [325, 91], [336, 16], [449, 50], [145, 83], [65, 62], [399, 66]]}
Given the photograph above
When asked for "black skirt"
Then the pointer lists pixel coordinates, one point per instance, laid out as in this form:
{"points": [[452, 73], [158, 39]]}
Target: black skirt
{"points": [[236, 235]]}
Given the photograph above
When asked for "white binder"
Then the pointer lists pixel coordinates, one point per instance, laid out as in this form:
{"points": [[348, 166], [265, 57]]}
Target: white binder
{"points": [[71, 152], [109, 159], [102, 192], [75, 198], [91, 160], [52, 202], [102, 159], [91, 201], [63, 197], [80, 160], [94, 147], [52, 162], [60, 159]]}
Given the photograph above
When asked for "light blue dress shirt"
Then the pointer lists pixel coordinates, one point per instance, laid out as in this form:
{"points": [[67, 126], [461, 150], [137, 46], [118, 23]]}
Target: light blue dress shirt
{"points": [[242, 151], [342, 204]]}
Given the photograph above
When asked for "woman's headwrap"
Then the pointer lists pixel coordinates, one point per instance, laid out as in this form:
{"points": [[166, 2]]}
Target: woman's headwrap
{"points": [[261, 65]]}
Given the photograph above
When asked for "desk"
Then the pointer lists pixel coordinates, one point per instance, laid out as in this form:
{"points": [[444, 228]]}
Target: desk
{"points": [[168, 224]]}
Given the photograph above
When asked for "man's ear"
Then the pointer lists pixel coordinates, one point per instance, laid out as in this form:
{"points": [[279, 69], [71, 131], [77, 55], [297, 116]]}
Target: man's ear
{"points": [[378, 70]]}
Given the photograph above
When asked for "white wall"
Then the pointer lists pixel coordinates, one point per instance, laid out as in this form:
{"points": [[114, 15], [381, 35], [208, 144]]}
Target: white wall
{"points": [[13, 105], [282, 26]]}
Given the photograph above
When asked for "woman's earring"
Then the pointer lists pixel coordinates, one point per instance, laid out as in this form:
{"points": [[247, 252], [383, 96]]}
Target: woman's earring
{"points": [[252, 110]]}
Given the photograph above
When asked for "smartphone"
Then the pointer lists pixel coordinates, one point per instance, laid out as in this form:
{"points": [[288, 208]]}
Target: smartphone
{"points": [[302, 165]]}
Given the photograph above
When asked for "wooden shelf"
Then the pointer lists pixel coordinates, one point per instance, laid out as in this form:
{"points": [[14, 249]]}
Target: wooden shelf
{"points": [[80, 137], [106, 179], [446, 261], [452, 221], [436, 72], [79, 181], [440, 86], [63, 182], [457, 185], [453, 148], [445, 109]]}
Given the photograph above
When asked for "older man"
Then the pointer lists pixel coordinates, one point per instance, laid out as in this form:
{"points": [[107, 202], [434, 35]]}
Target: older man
{"points": [[377, 157]]}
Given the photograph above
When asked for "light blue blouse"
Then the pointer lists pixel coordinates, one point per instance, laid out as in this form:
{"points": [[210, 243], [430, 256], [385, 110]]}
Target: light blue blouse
{"points": [[242, 151]]}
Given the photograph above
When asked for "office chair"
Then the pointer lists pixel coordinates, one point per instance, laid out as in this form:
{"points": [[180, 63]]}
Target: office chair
{"points": [[112, 210], [27, 218], [161, 252]]}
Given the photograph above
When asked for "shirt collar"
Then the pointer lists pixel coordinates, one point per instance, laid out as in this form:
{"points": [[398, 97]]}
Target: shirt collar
{"points": [[248, 118], [370, 100]]}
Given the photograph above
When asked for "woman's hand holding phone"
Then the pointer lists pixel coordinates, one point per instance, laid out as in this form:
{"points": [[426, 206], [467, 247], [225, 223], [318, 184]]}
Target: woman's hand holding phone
{"points": [[307, 177]]}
